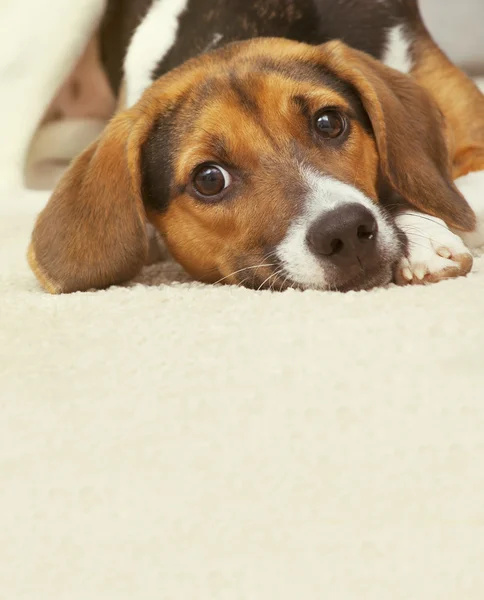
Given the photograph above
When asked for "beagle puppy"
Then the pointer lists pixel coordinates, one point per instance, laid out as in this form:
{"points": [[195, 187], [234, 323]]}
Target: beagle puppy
{"points": [[324, 144]]}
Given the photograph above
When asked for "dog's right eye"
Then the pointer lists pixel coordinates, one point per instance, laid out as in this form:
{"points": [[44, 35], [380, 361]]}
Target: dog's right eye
{"points": [[211, 180], [330, 124]]}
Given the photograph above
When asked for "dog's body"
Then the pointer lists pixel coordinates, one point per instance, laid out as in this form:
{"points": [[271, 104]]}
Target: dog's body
{"points": [[269, 162], [170, 32]]}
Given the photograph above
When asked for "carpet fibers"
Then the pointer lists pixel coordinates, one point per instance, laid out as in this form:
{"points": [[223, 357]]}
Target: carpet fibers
{"points": [[180, 441]]}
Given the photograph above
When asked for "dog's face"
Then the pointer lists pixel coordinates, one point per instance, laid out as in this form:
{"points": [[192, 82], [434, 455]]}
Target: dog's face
{"points": [[261, 164], [266, 159]]}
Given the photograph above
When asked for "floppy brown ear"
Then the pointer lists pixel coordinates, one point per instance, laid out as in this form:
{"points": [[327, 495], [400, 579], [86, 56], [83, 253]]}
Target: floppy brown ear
{"points": [[92, 232], [410, 134]]}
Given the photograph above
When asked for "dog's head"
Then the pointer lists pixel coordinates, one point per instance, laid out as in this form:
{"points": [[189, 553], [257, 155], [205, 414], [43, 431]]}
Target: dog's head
{"points": [[265, 164]]}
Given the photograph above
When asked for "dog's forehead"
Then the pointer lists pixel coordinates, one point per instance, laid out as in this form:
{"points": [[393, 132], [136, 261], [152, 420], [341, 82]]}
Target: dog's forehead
{"points": [[294, 61], [253, 109], [250, 100]]}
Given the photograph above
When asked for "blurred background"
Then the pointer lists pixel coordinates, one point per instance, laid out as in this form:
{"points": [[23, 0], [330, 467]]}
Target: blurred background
{"points": [[458, 26]]}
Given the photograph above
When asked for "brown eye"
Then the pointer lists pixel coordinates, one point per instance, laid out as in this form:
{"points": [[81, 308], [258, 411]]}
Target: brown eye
{"points": [[330, 124], [211, 180]]}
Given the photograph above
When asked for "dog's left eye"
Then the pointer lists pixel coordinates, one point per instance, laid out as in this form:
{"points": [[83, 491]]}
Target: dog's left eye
{"points": [[211, 180]]}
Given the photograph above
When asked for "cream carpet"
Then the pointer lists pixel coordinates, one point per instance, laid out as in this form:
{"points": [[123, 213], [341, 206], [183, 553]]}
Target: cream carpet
{"points": [[190, 442]]}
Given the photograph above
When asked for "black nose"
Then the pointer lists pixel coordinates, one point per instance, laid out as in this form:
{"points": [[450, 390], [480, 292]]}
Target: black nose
{"points": [[346, 236]]}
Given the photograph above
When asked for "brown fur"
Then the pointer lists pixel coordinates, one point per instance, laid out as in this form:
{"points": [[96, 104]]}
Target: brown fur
{"points": [[459, 99], [92, 234]]}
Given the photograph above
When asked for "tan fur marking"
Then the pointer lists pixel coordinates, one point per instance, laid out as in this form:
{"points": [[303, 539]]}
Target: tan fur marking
{"points": [[44, 281]]}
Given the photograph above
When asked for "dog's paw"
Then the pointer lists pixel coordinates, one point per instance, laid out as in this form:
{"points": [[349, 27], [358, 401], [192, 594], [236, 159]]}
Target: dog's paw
{"points": [[434, 253]]}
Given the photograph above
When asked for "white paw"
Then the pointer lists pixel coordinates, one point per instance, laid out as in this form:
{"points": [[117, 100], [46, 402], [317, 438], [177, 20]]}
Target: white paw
{"points": [[434, 253]]}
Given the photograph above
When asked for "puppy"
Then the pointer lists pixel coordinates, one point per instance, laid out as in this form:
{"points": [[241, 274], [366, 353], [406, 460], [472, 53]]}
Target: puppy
{"points": [[273, 144]]}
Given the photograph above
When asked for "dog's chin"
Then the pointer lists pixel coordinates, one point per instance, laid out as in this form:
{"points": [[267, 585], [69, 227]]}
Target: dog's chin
{"points": [[362, 281], [365, 281], [330, 279]]}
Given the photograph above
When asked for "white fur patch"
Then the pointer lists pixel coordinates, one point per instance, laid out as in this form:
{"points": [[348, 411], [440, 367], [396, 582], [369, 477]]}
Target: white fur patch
{"points": [[151, 41], [471, 186], [433, 252], [217, 38], [326, 194], [397, 51]]}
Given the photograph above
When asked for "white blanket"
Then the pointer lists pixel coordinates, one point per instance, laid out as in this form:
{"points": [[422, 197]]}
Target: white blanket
{"points": [[191, 442]]}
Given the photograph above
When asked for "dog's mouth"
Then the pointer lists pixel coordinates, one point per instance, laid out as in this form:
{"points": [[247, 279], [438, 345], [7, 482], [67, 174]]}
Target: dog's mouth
{"points": [[275, 278], [365, 280]]}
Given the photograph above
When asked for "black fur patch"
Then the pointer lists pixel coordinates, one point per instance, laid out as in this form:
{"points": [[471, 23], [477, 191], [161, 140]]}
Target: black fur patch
{"points": [[362, 24], [209, 24], [157, 162], [244, 95]]}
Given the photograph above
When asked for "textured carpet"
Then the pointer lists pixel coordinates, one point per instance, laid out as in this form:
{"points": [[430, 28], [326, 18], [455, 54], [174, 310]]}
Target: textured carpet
{"points": [[182, 441]]}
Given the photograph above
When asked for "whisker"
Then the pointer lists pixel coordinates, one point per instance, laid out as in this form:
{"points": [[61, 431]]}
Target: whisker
{"points": [[266, 280], [417, 233], [417, 245], [244, 269], [356, 175], [277, 273], [283, 283], [241, 283], [429, 218]]}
